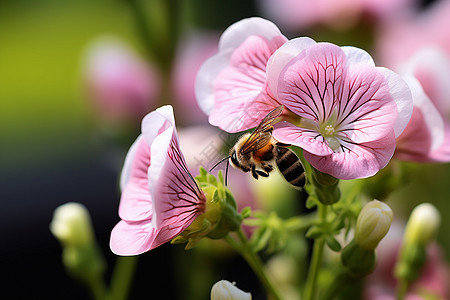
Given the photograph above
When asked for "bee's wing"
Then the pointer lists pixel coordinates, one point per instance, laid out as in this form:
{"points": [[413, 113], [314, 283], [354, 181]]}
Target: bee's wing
{"points": [[263, 133]]}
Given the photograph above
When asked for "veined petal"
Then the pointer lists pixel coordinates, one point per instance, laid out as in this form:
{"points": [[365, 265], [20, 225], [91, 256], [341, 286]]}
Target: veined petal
{"points": [[366, 111], [136, 201], [282, 57], [177, 200], [312, 82], [132, 238], [236, 116], [358, 161], [243, 80], [307, 139]]}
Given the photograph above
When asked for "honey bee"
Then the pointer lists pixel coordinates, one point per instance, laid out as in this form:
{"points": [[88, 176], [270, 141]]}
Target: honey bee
{"points": [[259, 151]]}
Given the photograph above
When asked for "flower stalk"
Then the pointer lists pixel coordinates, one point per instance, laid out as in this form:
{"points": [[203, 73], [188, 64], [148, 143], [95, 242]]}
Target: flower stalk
{"points": [[243, 247], [310, 286]]}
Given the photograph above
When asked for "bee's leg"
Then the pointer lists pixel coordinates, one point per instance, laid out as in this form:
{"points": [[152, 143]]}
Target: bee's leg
{"points": [[262, 173], [268, 168], [283, 145], [254, 172]]}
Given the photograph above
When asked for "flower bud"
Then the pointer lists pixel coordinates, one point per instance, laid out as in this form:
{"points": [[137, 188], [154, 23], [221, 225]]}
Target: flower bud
{"points": [[373, 224], [225, 290], [423, 224], [71, 224]]}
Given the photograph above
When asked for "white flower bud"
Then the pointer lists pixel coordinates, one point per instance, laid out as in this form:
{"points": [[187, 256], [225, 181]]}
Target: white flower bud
{"points": [[373, 224], [225, 290], [71, 224], [423, 224]]}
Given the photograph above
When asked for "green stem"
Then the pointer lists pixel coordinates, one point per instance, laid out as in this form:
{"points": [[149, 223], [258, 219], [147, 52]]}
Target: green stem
{"points": [[122, 277], [254, 261], [98, 288], [311, 281], [402, 289]]}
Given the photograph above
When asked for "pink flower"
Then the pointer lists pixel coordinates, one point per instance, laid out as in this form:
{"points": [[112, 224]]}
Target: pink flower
{"points": [[427, 135], [160, 199], [301, 14], [122, 86], [397, 39], [230, 85], [350, 110], [347, 112]]}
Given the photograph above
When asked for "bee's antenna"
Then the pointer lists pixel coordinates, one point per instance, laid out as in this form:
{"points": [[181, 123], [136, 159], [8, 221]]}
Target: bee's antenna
{"points": [[226, 170], [218, 163], [226, 173]]}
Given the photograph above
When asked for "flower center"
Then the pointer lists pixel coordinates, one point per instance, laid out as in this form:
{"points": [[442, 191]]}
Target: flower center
{"points": [[329, 133], [329, 130]]}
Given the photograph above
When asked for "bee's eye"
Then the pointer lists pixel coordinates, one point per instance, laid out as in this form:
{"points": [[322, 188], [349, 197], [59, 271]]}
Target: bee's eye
{"points": [[234, 159]]}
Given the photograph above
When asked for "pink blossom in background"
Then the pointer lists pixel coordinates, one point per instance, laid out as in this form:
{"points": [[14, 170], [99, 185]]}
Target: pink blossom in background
{"points": [[427, 135], [160, 199], [122, 86], [381, 284], [230, 85], [398, 39], [303, 14], [350, 110], [192, 51]]}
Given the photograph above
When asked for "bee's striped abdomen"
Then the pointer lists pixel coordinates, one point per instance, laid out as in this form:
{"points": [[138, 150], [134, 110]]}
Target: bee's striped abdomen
{"points": [[290, 167]]}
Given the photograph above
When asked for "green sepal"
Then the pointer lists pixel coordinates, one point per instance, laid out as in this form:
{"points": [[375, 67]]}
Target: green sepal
{"points": [[332, 243], [359, 262]]}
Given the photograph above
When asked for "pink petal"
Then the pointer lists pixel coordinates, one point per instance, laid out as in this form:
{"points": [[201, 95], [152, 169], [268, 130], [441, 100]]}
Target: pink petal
{"points": [[432, 117], [235, 56], [400, 92], [359, 161], [431, 66], [157, 122], [282, 57], [129, 159], [236, 116], [414, 143], [132, 238], [136, 201], [243, 80], [238, 32], [357, 56], [367, 110], [309, 140], [442, 154], [312, 81], [177, 198]]}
